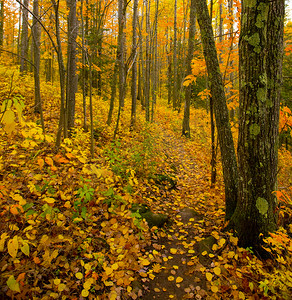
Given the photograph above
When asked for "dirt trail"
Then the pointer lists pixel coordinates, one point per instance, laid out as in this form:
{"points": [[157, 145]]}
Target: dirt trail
{"points": [[176, 271]]}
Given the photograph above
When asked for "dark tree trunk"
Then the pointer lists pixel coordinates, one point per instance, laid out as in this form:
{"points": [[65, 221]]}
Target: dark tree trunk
{"points": [[188, 91], [229, 164], [260, 58], [1, 22], [36, 34], [71, 64], [24, 38], [134, 67]]}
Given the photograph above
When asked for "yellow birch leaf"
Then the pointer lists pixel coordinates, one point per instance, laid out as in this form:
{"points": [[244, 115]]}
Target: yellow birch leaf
{"points": [[79, 275], [217, 270], [57, 281], [173, 250], [25, 249], [209, 276], [4, 236], [108, 271], [61, 287], [13, 284], [49, 161], [241, 295], [179, 279], [170, 278], [214, 289], [12, 246], [87, 284], [49, 200], [145, 262], [84, 293]]}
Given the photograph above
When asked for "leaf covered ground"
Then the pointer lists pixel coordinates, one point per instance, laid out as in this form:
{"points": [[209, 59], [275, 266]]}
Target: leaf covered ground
{"points": [[69, 229]]}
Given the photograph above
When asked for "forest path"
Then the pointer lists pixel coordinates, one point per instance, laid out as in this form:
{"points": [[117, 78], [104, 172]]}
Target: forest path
{"points": [[177, 271]]}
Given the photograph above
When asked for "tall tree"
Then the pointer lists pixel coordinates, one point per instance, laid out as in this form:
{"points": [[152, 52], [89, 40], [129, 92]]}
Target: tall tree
{"points": [[188, 91], [147, 57], [24, 37], [71, 64], [260, 58], [1, 22], [228, 156], [134, 67], [36, 37], [175, 72]]}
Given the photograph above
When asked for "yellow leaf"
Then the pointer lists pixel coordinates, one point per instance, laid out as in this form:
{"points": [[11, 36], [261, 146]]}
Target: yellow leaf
{"points": [[204, 253], [25, 248], [61, 287], [241, 295], [179, 279], [84, 293], [173, 250], [13, 284], [49, 200], [19, 198], [170, 278], [12, 246], [250, 284], [57, 281], [209, 276], [214, 289], [87, 284], [4, 236], [115, 266], [234, 240], [175, 267], [40, 162], [108, 270], [145, 262], [156, 268], [49, 161], [217, 270], [151, 276], [79, 275]]}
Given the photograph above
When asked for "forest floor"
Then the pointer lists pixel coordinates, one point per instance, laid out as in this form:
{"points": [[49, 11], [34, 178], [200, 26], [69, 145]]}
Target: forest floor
{"points": [[137, 221]]}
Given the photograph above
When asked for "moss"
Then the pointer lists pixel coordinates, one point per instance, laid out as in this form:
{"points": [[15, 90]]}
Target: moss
{"points": [[261, 94], [262, 206], [250, 3], [254, 130]]}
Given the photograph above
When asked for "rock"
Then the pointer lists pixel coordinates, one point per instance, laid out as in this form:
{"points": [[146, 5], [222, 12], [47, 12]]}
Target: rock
{"points": [[151, 218], [206, 245], [187, 213]]}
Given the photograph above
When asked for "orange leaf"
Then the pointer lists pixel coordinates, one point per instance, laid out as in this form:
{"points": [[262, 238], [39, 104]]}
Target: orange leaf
{"points": [[41, 162]]}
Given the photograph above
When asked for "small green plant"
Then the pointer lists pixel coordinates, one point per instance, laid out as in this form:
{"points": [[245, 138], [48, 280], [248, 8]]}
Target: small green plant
{"points": [[84, 195], [112, 199]]}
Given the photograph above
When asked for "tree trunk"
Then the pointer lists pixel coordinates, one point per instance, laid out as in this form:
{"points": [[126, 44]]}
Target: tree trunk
{"points": [[147, 58], [134, 67], [188, 91], [71, 64], [1, 22], [62, 125], [260, 73], [175, 75], [229, 164], [36, 34], [24, 38]]}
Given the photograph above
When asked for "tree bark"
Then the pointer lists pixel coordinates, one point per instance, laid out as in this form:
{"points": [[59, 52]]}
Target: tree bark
{"points": [[24, 38], [175, 73], [229, 164], [71, 64], [36, 33], [1, 22], [134, 67], [260, 74], [188, 91]]}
